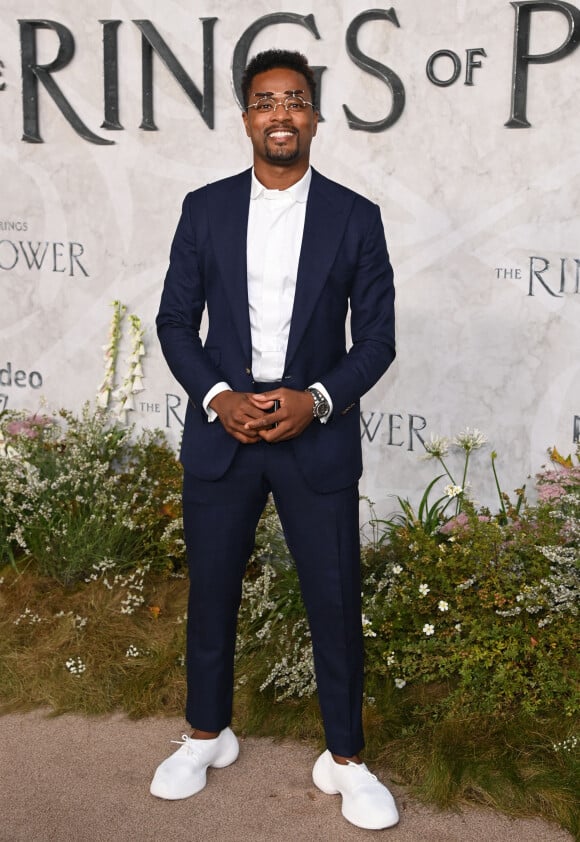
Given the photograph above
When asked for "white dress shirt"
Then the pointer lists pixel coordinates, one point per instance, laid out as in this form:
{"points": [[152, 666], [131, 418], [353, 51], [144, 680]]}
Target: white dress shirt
{"points": [[274, 239]]}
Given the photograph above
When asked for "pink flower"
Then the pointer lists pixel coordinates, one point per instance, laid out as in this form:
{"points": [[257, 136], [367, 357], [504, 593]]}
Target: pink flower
{"points": [[454, 524], [28, 427], [553, 484], [460, 523], [550, 492]]}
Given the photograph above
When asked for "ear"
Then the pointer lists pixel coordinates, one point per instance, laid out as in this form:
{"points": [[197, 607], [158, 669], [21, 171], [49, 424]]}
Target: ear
{"points": [[315, 115], [246, 125]]}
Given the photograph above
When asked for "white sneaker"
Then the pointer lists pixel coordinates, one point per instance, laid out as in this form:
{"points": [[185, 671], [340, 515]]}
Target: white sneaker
{"points": [[184, 773], [366, 802]]}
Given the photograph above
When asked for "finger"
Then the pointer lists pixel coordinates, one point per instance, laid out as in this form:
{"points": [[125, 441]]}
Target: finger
{"points": [[275, 435], [261, 398], [268, 435], [246, 439], [268, 419], [262, 407], [250, 413]]}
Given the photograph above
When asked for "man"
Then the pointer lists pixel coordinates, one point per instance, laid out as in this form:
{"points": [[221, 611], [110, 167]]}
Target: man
{"points": [[276, 254]]}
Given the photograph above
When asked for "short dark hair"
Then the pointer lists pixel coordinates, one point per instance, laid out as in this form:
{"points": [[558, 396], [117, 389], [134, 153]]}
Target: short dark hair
{"points": [[271, 59]]}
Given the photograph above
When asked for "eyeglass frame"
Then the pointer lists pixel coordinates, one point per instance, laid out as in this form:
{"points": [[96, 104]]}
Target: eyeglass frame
{"points": [[268, 95]]}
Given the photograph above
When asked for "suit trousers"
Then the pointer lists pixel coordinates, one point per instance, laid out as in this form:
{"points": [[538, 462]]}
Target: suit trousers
{"points": [[322, 533]]}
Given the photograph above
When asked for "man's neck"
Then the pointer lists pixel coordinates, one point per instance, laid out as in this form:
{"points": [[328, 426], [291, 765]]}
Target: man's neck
{"points": [[279, 177]]}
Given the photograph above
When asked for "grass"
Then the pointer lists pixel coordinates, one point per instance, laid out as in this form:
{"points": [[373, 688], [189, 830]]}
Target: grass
{"points": [[509, 764]]}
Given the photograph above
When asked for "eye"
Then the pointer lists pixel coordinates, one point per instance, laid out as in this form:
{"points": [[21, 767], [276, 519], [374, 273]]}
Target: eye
{"points": [[295, 104], [266, 105]]}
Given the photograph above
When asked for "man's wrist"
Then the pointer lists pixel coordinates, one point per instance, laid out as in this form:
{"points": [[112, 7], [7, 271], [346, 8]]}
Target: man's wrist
{"points": [[320, 407], [220, 387]]}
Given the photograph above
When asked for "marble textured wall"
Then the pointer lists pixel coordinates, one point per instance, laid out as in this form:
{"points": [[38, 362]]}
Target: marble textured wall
{"points": [[471, 208]]}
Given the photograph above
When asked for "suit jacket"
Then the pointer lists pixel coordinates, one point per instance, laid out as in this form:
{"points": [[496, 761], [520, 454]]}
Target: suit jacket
{"points": [[343, 261]]}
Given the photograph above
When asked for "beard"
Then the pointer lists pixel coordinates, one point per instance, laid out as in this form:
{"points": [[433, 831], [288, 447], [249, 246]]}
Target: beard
{"points": [[281, 154]]}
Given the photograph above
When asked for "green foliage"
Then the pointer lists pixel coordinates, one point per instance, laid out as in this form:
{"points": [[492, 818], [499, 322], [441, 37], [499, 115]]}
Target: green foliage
{"points": [[431, 516], [470, 618], [428, 518], [490, 613], [77, 491], [480, 608]]}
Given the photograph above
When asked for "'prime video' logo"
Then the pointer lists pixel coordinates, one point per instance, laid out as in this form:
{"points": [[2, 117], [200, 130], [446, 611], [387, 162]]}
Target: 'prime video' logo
{"points": [[10, 376]]}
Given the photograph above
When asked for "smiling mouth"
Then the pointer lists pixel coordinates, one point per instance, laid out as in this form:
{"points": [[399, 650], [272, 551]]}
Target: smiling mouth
{"points": [[281, 134]]}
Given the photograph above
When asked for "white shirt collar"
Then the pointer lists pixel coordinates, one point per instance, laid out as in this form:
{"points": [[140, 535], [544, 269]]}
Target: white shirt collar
{"points": [[297, 192]]}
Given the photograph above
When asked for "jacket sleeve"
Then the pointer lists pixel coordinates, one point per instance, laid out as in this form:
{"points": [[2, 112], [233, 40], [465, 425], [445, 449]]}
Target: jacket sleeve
{"points": [[372, 317], [183, 302]]}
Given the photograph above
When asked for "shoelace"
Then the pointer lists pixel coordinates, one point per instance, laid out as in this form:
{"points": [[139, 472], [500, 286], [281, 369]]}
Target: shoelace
{"points": [[364, 769], [186, 741]]}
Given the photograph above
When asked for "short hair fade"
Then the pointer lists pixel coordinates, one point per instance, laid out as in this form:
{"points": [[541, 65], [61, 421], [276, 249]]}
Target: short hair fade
{"points": [[271, 59]]}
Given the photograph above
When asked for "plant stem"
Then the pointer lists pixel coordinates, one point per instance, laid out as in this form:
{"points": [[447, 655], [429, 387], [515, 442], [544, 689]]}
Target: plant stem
{"points": [[463, 481], [446, 469], [500, 495]]}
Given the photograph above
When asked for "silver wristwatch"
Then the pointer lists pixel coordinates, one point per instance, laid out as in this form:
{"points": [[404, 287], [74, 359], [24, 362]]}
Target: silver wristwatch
{"points": [[321, 406]]}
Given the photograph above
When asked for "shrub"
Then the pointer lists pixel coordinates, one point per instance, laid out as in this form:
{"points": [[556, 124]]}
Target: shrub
{"points": [[489, 612], [77, 491]]}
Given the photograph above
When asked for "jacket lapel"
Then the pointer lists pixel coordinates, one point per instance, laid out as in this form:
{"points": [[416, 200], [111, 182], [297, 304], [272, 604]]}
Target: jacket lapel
{"points": [[326, 215]]}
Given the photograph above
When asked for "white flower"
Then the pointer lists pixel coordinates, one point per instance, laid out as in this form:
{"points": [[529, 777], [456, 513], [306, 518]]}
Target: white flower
{"points": [[469, 440], [428, 629], [75, 666], [128, 403], [367, 627], [390, 659], [29, 617], [443, 605], [6, 450], [436, 448], [400, 683], [103, 398], [566, 745], [424, 589], [397, 569], [453, 490], [458, 627]]}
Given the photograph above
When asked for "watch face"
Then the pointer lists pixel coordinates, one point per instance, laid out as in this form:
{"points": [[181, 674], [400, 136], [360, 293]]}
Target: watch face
{"points": [[321, 406], [322, 409]]}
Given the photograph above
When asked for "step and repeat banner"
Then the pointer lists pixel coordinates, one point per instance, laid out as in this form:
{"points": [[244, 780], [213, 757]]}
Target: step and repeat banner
{"points": [[460, 119]]}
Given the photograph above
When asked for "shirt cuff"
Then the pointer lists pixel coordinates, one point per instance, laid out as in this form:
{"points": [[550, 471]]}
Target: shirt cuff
{"points": [[321, 389], [222, 386]]}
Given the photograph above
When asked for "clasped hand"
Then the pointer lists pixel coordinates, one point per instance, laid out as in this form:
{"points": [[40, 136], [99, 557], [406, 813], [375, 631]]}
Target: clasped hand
{"points": [[245, 415]]}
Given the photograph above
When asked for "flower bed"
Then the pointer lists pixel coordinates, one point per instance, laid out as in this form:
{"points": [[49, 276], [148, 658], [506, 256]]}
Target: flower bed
{"points": [[470, 616]]}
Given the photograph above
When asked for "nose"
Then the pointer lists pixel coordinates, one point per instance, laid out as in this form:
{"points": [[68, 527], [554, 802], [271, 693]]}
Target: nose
{"points": [[275, 117]]}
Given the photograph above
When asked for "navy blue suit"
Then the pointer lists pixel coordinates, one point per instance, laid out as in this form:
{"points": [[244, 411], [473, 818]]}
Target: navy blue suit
{"points": [[314, 476]]}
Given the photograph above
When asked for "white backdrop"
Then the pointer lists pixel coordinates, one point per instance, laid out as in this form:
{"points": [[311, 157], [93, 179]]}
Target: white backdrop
{"points": [[468, 205]]}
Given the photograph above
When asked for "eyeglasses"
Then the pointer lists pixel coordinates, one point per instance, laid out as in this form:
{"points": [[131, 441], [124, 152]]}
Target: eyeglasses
{"points": [[268, 105]]}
